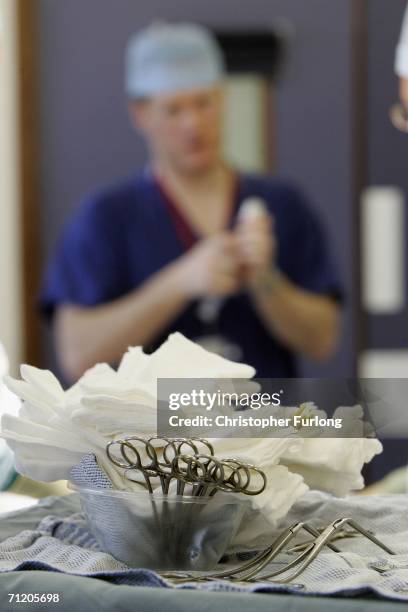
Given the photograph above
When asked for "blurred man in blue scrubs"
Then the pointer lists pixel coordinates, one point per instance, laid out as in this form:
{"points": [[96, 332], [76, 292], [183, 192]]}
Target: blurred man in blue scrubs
{"points": [[169, 249]]}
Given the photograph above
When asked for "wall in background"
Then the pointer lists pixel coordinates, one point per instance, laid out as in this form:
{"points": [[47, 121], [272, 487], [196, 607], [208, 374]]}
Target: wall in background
{"points": [[245, 120], [87, 141], [10, 241], [387, 147], [386, 335]]}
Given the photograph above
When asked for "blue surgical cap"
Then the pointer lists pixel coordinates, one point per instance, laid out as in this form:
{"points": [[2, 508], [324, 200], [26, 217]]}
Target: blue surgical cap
{"points": [[166, 57]]}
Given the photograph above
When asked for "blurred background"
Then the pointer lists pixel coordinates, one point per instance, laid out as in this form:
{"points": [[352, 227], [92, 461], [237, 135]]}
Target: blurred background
{"points": [[311, 83]]}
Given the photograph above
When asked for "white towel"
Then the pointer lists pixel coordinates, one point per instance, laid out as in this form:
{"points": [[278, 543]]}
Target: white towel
{"points": [[9, 404]]}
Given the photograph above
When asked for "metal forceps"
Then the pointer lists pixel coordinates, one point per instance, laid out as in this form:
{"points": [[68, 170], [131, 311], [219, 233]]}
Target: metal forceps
{"points": [[250, 570], [162, 461], [234, 481], [203, 472], [177, 444], [323, 539], [208, 475], [154, 458], [251, 567], [171, 463], [131, 459], [183, 460]]}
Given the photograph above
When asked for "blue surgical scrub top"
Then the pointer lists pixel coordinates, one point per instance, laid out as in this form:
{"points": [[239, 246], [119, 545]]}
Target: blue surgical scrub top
{"points": [[121, 236]]}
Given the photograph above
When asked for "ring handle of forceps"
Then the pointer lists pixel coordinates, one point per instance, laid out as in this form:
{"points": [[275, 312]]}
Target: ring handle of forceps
{"points": [[126, 443], [248, 467], [186, 475], [209, 475], [180, 442]]}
